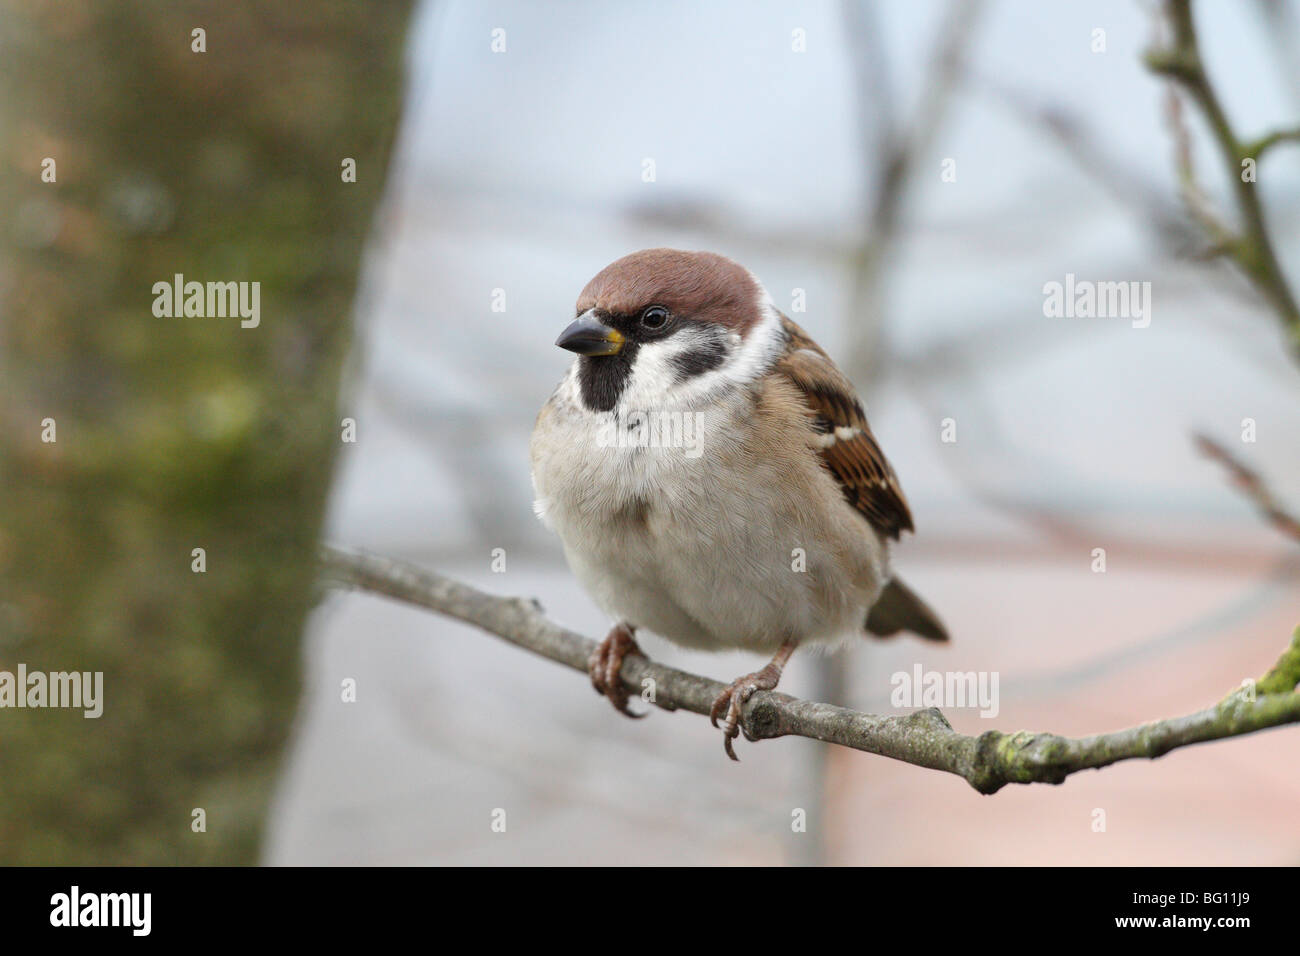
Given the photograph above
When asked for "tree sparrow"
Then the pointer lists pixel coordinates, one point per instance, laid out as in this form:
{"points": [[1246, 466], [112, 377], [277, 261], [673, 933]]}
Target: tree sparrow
{"points": [[713, 478]]}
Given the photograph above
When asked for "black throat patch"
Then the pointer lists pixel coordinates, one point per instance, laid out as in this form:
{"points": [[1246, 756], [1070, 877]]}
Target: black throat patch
{"points": [[602, 378]]}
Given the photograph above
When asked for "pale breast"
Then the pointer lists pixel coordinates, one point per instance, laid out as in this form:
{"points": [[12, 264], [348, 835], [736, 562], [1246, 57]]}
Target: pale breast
{"points": [[727, 540]]}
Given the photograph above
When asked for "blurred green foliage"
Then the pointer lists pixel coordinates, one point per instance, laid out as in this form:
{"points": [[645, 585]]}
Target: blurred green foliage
{"points": [[172, 433]]}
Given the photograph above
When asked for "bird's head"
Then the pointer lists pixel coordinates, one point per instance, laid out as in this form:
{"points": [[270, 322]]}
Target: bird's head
{"points": [[662, 328]]}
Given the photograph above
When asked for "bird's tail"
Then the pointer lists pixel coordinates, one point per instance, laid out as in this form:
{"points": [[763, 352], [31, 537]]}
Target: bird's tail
{"points": [[899, 609]]}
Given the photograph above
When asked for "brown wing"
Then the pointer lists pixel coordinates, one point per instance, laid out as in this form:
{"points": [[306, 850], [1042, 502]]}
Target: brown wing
{"points": [[847, 445]]}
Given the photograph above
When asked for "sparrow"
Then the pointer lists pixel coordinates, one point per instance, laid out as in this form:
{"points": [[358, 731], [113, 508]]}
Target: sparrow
{"points": [[713, 479]]}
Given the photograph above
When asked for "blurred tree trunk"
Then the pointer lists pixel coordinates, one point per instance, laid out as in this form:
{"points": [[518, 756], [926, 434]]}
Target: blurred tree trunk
{"points": [[172, 433]]}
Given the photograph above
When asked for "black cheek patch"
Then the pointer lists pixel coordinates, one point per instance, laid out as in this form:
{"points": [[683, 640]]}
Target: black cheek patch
{"points": [[700, 360]]}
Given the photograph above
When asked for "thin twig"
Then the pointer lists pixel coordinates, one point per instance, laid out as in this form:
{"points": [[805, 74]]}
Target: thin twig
{"points": [[1269, 140], [924, 738], [1090, 152], [897, 150], [1197, 203], [1252, 486], [1251, 249]]}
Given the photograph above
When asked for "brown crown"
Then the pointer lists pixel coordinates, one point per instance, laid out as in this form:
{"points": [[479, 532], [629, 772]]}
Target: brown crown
{"points": [[694, 285]]}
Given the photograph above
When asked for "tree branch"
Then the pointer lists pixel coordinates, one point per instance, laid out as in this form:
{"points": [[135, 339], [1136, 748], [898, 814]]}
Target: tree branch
{"points": [[1253, 487], [1269, 140], [925, 738], [1250, 249]]}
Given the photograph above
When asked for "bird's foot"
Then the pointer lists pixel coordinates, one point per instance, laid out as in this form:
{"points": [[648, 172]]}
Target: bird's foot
{"points": [[606, 662], [733, 698]]}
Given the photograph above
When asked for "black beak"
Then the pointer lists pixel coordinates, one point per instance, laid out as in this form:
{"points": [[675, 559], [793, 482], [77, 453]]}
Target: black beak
{"points": [[588, 336]]}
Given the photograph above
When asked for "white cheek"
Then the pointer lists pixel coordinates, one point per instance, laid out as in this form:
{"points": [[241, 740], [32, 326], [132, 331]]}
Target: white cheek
{"points": [[655, 380], [653, 376]]}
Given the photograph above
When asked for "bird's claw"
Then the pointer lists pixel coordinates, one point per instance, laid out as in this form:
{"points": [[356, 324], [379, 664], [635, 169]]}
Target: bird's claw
{"points": [[733, 699], [605, 664]]}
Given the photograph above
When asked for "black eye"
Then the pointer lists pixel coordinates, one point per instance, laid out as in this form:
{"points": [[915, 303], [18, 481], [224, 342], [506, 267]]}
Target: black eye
{"points": [[655, 317]]}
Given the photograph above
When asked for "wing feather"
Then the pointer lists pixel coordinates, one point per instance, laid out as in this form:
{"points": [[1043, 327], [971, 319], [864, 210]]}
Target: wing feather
{"points": [[848, 447]]}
